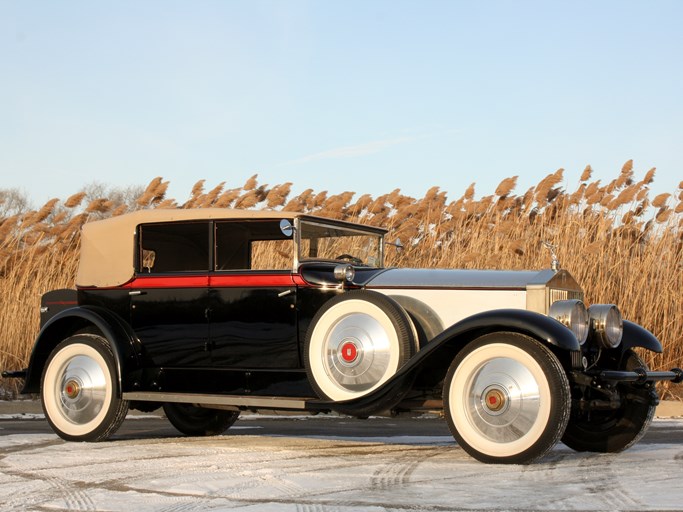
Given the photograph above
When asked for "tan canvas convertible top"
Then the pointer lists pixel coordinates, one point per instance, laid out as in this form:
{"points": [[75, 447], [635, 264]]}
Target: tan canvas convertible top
{"points": [[107, 256], [108, 246]]}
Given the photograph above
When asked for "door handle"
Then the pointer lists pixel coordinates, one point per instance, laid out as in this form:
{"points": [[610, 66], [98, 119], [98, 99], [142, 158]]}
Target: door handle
{"points": [[134, 293]]}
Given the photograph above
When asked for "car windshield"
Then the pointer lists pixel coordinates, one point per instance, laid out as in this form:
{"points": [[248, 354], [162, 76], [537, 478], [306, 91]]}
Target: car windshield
{"points": [[329, 242]]}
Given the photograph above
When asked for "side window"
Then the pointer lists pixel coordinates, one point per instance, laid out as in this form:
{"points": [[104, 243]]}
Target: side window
{"points": [[272, 254], [174, 247], [252, 244]]}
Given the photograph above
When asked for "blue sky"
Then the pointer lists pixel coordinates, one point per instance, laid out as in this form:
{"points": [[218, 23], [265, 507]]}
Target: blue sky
{"points": [[366, 96]]}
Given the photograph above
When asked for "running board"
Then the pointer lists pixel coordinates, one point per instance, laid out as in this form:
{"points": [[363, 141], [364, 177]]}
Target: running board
{"points": [[218, 401]]}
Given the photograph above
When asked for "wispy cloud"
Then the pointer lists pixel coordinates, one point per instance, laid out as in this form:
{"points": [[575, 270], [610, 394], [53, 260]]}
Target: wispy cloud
{"points": [[368, 148]]}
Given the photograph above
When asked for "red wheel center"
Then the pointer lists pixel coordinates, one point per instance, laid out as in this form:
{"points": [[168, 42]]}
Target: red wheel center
{"points": [[495, 400], [72, 389], [349, 352]]}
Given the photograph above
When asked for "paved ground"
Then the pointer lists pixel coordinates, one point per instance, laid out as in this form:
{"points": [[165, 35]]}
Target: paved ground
{"points": [[319, 464], [666, 409], [155, 425]]}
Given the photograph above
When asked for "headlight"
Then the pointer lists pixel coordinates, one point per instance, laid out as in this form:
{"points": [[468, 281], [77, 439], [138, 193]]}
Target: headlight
{"points": [[344, 273], [606, 325], [572, 314]]}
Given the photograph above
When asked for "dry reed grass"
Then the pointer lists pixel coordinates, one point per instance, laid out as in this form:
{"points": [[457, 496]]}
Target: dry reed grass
{"points": [[624, 247]]}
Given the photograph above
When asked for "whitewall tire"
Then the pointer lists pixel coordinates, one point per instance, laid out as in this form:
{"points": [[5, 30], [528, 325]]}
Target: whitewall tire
{"points": [[79, 390], [506, 398]]}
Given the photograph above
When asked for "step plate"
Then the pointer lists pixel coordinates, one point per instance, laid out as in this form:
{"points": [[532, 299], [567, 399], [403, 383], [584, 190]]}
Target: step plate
{"points": [[201, 400]]}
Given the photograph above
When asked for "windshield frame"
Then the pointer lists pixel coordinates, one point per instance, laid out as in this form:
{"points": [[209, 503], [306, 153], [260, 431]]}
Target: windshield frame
{"points": [[352, 230]]}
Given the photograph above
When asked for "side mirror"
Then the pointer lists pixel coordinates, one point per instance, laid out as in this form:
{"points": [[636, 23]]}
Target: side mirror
{"points": [[286, 228], [397, 244]]}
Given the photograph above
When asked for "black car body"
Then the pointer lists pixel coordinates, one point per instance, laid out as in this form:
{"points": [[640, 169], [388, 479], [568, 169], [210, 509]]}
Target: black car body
{"points": [[210, 312]]}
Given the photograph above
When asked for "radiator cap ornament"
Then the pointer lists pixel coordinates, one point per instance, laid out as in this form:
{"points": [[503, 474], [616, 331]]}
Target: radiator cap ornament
{"points": [[554, 262]]}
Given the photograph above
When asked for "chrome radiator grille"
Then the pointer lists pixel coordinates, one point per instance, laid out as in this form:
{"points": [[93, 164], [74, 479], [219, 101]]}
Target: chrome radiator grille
{"points": [[556, 295]]}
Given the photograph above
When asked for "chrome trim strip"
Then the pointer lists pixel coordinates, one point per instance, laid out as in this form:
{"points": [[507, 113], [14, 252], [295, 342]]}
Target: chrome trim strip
{"points": [[447, 278]]}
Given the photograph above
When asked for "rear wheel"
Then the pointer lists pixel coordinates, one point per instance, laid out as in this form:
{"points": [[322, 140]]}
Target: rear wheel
{"points": [[506, 399], [199, 421], [80, 390], [356, 342], [614, 430]]}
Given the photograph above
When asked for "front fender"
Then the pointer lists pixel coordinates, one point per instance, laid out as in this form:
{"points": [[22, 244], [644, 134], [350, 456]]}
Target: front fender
{"points": [[536, 325], [637, 336], [121, 337], [447, 344]]}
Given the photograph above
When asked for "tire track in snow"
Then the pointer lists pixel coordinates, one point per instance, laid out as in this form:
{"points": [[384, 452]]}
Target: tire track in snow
{"points": [[392, 475], [29, 447], [75, 497], [73, 494], [607, 488], [187, 506], [397, 474], [314, 507]]}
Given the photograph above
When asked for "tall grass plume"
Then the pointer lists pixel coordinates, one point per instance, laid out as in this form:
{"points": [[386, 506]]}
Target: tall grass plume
{"points": [[623, 246]]}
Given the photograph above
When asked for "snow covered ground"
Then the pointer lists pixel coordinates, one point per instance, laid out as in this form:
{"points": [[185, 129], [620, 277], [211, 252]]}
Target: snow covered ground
{"points": [[325, 474]]}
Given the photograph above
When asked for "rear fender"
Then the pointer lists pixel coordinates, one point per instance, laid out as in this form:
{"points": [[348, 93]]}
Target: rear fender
{"points": [[121, 337]]}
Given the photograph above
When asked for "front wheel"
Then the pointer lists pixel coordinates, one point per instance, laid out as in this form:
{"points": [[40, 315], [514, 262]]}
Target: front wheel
{"points": [[506, 399], [199, 421], [614, 430], [80, 390]]}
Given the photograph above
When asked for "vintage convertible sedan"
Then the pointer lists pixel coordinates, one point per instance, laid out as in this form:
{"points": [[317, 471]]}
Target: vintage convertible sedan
{"points": [[210, 312]]}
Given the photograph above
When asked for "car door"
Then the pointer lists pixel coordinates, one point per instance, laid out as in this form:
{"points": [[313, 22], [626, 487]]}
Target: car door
{"points": [[252, 313], [170, 297]]}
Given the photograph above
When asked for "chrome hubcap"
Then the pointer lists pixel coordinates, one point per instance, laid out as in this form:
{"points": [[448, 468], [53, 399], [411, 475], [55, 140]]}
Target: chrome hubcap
{"points": [[503, 400], [357, 353], [82, 390]]}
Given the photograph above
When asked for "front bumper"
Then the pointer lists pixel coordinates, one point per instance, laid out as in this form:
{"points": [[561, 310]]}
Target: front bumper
{"points": [[641, 376]]}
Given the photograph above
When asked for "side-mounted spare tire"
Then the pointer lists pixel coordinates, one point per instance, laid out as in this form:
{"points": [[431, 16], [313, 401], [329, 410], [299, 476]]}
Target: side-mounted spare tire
{"points": [[356, 342]]}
